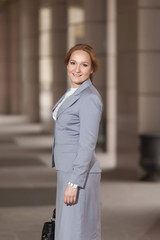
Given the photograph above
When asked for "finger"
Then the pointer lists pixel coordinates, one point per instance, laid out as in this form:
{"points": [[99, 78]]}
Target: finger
{"points": [[71, 199], [74, 199], [66, 199]]}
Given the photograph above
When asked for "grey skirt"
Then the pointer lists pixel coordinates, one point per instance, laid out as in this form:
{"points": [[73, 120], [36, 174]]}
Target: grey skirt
{"points": [[81, 221]]}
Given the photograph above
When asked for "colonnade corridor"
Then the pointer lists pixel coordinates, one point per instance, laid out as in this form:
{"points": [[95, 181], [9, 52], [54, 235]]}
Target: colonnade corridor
{"points": [[130, 208]]}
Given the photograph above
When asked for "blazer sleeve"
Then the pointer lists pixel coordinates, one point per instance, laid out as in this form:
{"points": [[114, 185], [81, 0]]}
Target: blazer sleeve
{"points": [[90, 116]]}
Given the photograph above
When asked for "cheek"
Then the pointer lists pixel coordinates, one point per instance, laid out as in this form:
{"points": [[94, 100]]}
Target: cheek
{"points": [[87, 72], [68, 70]]}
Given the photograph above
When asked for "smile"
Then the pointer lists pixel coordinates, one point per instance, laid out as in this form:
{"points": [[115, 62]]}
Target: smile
{"points": [[76, 75]]}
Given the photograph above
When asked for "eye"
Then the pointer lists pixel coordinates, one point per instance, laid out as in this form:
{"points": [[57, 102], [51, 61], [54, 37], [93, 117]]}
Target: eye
{"points": [[72, 62], [85, 65]]}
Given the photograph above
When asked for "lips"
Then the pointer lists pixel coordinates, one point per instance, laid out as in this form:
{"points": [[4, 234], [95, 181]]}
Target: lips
{"points": [[76, 75]]}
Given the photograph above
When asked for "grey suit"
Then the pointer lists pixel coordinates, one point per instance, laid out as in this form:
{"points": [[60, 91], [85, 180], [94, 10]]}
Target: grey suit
{"points": [[76, 132], [75, 136]]}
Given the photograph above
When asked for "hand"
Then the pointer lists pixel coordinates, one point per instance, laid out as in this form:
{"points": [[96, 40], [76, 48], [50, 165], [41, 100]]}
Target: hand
{"points": [[70, 195]]}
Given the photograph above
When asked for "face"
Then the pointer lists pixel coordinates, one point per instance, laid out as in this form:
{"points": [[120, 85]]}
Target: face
{"points": [[79, 68]]}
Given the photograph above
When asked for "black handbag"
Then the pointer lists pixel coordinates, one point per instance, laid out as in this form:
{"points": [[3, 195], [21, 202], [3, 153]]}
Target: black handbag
{"points": [[48, 230]]}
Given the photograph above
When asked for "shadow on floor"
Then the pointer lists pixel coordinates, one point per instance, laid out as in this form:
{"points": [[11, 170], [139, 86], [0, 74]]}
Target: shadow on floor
{"points": [[16, 197], [20, 161], [119, 174], [153, 232]]}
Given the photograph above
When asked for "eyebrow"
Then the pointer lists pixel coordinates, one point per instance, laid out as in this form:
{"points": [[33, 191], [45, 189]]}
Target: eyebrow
{"points": [[76, 61]]}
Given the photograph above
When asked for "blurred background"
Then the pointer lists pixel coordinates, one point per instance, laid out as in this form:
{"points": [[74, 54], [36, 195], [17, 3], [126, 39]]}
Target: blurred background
{"points": [[34, 38]]}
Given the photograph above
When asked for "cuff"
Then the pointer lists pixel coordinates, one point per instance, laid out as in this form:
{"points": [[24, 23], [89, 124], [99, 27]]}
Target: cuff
{"points": [[72, 185]]}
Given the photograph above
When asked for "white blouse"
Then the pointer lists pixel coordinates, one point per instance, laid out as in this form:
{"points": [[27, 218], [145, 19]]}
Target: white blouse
{"points": [[69, 93]]}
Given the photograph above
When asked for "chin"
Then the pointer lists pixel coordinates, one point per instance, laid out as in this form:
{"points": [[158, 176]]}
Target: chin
{"points": [[77, 81]]}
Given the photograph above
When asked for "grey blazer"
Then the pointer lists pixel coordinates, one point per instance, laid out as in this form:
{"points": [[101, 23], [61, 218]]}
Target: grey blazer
{"points": [[75, 133]]}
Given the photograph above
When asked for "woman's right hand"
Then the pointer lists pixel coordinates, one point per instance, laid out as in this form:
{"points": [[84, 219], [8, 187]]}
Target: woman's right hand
{"points": [[70, 195]]}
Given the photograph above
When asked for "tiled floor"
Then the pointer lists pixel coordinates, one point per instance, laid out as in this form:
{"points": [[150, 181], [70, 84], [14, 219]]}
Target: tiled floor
{"points": [[130, 208]]}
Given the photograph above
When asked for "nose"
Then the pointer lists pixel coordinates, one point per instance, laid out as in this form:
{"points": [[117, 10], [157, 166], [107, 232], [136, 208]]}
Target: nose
{"points": [[77, 68]]}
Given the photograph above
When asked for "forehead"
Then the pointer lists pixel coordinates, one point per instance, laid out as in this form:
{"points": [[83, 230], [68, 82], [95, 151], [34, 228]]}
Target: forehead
{"points": [[80, 55]]}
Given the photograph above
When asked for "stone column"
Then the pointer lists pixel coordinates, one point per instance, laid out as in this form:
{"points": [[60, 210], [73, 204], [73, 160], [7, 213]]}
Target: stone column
{"points": [[111, 89], [95, 35], [149, 65], [53, 47], [29, 29], [14, 56], [127, 80], [59, 47], [4, 50]]}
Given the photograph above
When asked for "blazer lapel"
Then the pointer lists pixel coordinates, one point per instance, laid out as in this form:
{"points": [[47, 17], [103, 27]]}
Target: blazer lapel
{"points": [[59, 101], [67, 103], [73, 98]]}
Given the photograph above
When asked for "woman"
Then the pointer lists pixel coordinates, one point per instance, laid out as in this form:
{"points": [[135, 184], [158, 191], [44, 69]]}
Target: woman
{"points": [[77, 116]]}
